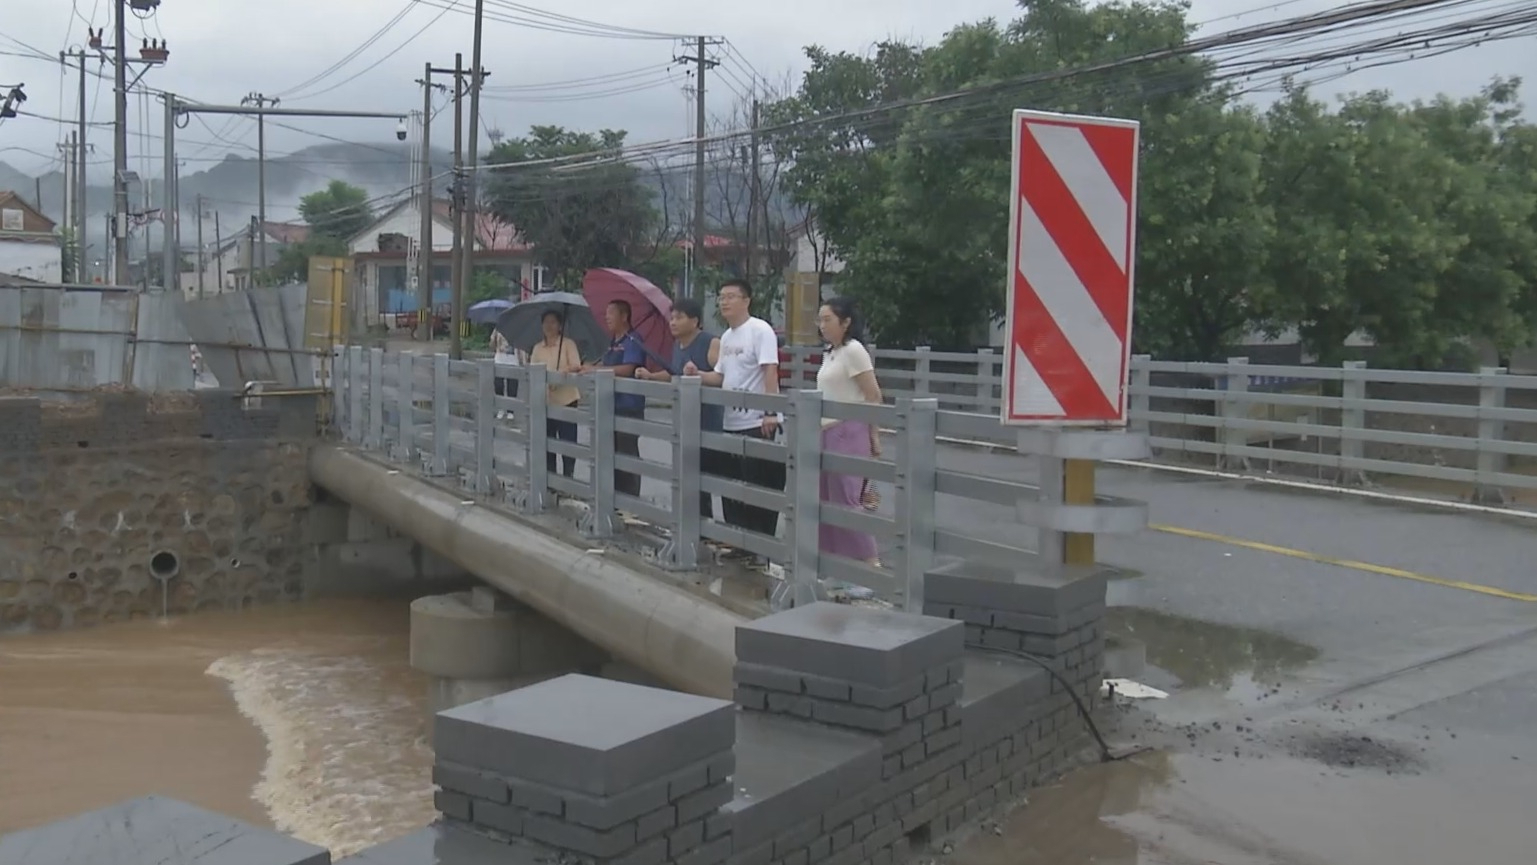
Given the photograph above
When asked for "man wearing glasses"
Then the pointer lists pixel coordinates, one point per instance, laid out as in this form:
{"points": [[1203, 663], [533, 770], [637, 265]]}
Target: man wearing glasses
{"points": [[749, 361]]}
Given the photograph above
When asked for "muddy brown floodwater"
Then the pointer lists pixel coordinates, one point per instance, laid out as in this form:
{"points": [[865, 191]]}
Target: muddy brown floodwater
{"points": [[305, 717]]}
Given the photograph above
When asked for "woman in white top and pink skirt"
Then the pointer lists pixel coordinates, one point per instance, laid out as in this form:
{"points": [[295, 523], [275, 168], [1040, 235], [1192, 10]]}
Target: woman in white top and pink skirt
{"points": [[847, 374]]}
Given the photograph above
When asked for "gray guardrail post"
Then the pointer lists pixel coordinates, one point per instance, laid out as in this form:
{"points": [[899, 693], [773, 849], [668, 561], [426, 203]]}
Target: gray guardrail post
{"points": [[535, 463], [1233, 439], [405, 407], [355, 394], [600, 519], [1352, 419], [485, 426], [1491, 430], [915, 498], [440, 423], [1139, 402], [682, 550], [922, 367], [803, 435], [374, 438]]}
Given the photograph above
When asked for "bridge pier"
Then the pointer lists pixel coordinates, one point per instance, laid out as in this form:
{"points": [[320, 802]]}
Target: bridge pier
{"points": [[479, 643]]}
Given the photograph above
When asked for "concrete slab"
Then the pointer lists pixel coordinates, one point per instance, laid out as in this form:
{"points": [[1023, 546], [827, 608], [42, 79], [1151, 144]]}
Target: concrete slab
{"points": [[790, 771], [999, 695], [154, 830], [447, 845], [851, 644], [584, 734], [1017, 590]]}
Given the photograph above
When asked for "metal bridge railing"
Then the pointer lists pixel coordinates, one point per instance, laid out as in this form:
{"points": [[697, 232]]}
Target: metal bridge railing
{"points": [[442, 417], [1471, 434]]}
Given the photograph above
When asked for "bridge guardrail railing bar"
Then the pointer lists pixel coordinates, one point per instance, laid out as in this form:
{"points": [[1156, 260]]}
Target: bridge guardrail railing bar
{"points": [[443, 417], [1341, 424]]}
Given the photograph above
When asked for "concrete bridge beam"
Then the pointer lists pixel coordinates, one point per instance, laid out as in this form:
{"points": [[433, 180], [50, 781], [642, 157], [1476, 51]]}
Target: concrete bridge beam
{"points": [[684, 640]]}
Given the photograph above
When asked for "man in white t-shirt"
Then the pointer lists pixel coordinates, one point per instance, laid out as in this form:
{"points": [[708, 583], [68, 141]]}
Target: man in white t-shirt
{"points": [[749, 361]]}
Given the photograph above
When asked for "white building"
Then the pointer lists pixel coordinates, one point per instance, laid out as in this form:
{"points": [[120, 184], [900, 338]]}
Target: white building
{"points": [[228, 262], [29, 244]]}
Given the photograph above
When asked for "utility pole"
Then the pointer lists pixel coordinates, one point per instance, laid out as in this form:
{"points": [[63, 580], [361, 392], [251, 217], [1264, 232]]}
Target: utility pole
{"points": [[261, 101], [202, 256], [702, 61], [457, 274], [424, 241], [170, 204], [80, 177], [471, 203], [755, 193], [218, 252], [78, 202], [119, 144], [67, 198]]}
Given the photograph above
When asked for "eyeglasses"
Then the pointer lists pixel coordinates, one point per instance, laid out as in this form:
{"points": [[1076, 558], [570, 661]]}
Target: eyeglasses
{"points": [[730, 295]]}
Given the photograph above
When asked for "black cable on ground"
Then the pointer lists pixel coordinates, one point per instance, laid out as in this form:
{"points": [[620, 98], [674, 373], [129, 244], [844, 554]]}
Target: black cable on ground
{"points": [[1105, 754]]}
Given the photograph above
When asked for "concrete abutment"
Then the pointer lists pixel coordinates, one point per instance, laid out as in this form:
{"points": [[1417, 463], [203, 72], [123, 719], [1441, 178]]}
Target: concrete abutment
{"points": [[478, 643]]}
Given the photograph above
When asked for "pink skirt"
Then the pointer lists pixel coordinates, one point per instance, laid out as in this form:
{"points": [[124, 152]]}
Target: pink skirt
{"points": [[851, 438]]}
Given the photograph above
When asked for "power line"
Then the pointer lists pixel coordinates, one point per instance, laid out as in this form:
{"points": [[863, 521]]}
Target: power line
{"points": [[351, 55], [453, 5]]}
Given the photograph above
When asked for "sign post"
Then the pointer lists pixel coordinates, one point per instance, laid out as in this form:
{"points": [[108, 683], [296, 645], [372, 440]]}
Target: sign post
{"points": [[1072, 252]]}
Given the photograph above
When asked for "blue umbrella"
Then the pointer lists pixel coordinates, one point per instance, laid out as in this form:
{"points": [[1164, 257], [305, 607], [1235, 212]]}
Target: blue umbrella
{"points": [[522, 325], [488, 311]]}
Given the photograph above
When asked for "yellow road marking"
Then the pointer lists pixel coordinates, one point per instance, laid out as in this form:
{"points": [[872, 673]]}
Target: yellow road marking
{"points": [[1399, 573]]}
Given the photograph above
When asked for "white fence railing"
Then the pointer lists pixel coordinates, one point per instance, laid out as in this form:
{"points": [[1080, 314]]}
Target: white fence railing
{"points": [[446, 418], [1476, 433]]}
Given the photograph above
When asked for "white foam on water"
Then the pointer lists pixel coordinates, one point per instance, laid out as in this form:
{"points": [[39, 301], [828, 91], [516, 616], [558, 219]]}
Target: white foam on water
{"points": [[348, 765]]}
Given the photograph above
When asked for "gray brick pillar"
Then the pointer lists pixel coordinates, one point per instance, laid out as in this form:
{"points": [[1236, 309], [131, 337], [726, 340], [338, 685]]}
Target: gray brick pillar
{"points": [[603, 770], [894, 675], [1055, 617]]}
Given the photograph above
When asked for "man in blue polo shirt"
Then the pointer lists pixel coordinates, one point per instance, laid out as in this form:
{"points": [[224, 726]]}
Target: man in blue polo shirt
{"points": [[625, 355]]}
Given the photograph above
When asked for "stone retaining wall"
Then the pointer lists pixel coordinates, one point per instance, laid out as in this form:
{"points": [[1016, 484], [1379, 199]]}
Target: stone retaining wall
{"points": [[122, 506], [858, 736]]}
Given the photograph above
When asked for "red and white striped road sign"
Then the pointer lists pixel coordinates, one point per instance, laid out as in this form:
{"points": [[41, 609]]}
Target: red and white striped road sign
{"points": [[1072, 229]]}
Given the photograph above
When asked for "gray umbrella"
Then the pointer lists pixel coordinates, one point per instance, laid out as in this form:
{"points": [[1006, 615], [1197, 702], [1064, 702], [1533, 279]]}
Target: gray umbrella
{"points": [[522, 326]]}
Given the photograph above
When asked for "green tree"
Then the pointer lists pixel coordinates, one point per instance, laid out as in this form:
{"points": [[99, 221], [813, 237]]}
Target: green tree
{"points": [[1205, 232], [1404, 223], [915, 200], [340, 211], [293, 263], [578, 214]]}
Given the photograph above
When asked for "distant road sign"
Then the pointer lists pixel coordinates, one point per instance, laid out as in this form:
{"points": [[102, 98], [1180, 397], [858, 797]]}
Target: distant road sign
{"points": [[1072, 229]]}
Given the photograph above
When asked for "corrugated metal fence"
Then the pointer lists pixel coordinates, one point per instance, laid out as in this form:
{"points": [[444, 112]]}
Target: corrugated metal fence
{"points": [[77, 338]]}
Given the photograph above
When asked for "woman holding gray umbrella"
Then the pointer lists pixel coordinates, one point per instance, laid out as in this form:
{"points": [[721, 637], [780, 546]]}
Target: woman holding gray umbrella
{"points": [[558, 354]]}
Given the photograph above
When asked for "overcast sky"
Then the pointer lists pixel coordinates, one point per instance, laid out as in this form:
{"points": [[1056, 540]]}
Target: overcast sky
{"points": [[223, 49]]}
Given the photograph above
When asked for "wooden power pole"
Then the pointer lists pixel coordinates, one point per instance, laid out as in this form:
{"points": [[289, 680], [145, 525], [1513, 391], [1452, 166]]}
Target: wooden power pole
{"points": [[424, 241], [702, 61]]}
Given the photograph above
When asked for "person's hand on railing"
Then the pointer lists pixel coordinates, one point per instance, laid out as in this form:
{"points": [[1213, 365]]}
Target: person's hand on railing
{"points": [[770, 425], [690, 369], [644, 374]]}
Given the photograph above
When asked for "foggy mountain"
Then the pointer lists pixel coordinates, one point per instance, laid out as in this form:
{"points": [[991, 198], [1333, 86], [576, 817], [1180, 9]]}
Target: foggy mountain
{"points": [[229, 190]]}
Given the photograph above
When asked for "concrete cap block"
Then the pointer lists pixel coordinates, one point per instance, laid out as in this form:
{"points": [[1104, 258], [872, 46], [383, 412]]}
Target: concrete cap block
{"points": [[1036, 591], [154, 830], [851, 644], [586, 735]]}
